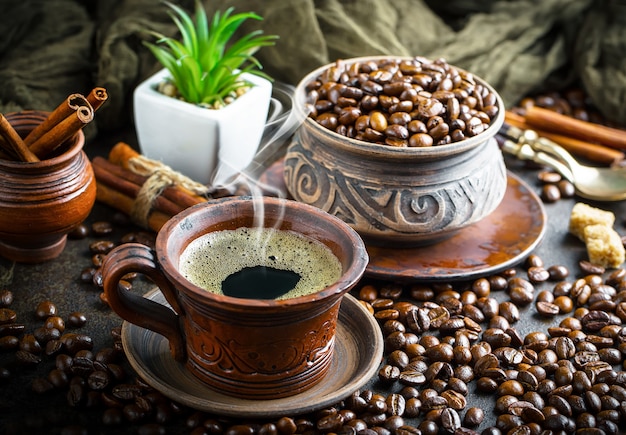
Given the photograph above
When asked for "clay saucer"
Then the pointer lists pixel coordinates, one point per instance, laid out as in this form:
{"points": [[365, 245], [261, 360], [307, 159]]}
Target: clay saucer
{"points": [[501, 240], [357, 356]]}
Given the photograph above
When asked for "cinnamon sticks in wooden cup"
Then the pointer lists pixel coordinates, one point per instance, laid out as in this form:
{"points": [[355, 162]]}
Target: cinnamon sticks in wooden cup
{"points": [[62, 123]]}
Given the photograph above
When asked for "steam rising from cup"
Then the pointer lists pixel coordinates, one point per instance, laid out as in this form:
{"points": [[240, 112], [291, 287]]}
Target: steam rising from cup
{"points": [[283, 119]]}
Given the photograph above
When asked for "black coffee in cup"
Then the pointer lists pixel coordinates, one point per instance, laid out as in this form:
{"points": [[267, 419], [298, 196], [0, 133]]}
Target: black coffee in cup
{"points": [[259, 263]]}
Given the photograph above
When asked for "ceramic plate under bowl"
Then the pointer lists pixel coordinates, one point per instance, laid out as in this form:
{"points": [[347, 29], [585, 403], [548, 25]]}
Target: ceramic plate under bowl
{"points": [[501, 240], [357, 356]]}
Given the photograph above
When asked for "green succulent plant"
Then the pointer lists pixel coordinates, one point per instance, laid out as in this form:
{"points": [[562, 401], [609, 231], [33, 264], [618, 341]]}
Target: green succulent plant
{"points": [[206, 64]]}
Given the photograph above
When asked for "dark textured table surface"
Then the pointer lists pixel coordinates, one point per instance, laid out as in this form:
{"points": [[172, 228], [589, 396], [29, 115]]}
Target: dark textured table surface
{"points": [[24, 411]]}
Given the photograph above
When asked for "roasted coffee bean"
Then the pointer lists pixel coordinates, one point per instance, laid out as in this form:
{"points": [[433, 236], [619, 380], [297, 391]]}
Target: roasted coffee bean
{"points": [[76, 394], [509, 311], [87, 274], [101, 228], [76, 319], [7, 316], [44, 335], [398, 358], [595, 320], [385, 315], [412, 378], [521, 295], [45, 309], [558, 272], [53, 346], [566, 188], [98, 380], [101, 246], [368, 293], [534, 260], [11, 329], [550, 177], [28, 343], [547, 309], [507, 422], [489, 306], [450, 420], [538, 274], [6, 298], [588, 267], [79, 232], [511, 388], [565, 304], [528, 380], [454, 399], [474, 416], [496, 338], [389, 374], [9, 342], [550, 193], [486, 385], [74, 342], [41, 386], [58, 378], [330, 423], [55, 322], [441, 352], [396, 404]]}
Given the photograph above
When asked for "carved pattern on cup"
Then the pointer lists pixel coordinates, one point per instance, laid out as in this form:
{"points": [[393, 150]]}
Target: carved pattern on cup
{"points": [[392, 208], [290, 354]]}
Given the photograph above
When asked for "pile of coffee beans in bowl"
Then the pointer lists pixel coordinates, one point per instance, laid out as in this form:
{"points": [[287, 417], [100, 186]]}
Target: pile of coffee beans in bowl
{"points": [[405, 102]]}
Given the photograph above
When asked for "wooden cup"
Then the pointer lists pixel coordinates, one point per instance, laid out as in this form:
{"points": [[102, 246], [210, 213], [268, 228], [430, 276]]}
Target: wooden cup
{"points": [[41, 202]]}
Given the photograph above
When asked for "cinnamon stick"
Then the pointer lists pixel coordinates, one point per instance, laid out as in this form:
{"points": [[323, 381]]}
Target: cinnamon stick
{"points": [[15, 141], [124, 203], [125, 187], [122, 153], [62, 111], [97, 97], [62, 131], [173, 194], [594, 152], [554, 122]]}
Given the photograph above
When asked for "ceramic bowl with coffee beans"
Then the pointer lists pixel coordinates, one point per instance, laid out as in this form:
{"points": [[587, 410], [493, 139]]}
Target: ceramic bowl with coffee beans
{"points": [[402, 149]]}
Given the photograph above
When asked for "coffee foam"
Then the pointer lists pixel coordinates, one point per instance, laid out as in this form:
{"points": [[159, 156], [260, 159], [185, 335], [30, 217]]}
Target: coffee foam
{"points": [[211, 258]]}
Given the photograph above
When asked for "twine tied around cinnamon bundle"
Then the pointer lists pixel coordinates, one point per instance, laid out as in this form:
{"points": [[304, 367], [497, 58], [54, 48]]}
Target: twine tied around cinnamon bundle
{"points": [[159, 177]]}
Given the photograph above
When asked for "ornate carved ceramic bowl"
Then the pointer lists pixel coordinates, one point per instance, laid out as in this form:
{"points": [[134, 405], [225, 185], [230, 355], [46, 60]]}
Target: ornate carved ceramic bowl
{"points": [[391, 195], [41, 202]]}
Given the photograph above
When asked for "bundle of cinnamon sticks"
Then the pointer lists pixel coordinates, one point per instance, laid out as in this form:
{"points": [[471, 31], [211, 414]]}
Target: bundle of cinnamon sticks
{"points": [[120, 186], [589, 140], [61, 124]]}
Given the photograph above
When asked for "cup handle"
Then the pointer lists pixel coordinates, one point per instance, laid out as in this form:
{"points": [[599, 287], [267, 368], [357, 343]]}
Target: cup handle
{"points": [[135, 257]]}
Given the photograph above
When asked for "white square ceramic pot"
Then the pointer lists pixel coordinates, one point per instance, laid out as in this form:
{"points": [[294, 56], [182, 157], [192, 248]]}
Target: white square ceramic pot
{"points": [[209, 146]]}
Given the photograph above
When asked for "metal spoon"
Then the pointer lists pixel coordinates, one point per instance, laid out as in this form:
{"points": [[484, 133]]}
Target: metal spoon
{"points": [[600, 184]]}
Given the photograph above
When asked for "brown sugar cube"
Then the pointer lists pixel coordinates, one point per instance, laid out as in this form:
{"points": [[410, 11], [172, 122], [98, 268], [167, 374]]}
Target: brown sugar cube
{"points": [[583, 215], [604, 246]]}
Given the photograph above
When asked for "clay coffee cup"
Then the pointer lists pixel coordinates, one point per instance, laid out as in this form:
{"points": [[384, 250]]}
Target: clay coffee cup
{"points": [[242, 346]]}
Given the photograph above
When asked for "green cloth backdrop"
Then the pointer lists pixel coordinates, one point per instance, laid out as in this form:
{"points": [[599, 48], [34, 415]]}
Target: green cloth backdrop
{"points": [[51, 49]]}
